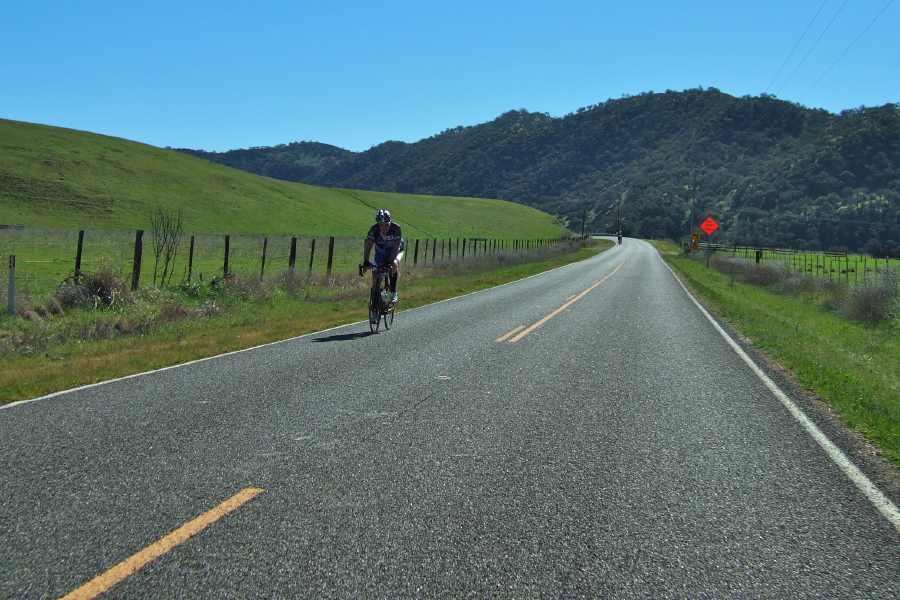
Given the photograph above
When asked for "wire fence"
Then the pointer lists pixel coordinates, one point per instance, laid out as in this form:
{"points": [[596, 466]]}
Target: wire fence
{"points": [[45, 258], [853, 269]]}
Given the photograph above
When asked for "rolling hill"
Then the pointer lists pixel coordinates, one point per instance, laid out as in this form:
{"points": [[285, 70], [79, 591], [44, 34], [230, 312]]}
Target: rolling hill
{"points": [[770, 172], [64, 179]]}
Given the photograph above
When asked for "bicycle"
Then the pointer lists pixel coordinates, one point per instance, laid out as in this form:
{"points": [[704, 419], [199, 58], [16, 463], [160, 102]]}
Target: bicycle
{"points": [[379, 299]]}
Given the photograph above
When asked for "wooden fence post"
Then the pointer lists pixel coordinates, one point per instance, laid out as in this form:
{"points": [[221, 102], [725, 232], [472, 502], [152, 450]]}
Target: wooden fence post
{"points": [[78, 256], [292, 260], [227, 252], [312, 253], [138, 255], [330, 255], [262, 269], [191, 261], [11, 296], [416, 253]]}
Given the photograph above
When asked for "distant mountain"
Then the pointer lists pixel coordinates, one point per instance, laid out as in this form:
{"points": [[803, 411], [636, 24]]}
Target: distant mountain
{"points": [[770, 172]]}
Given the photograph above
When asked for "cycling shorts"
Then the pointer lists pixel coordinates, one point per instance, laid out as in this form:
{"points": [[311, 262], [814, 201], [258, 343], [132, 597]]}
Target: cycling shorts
{"points": [[383, 257]]}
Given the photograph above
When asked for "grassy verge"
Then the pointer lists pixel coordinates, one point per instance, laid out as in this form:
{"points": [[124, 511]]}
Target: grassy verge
{"points": [[48, 352], [853, 366]]}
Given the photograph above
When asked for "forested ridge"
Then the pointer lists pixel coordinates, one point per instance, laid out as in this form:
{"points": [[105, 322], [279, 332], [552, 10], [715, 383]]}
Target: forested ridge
{"points": [[771, 172]]}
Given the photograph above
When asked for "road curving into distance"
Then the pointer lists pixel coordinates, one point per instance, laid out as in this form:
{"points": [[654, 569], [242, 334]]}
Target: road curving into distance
{"points": [[585, 432]]}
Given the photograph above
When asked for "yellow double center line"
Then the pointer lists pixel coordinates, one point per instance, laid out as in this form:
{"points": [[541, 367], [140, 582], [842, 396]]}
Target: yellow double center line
{"points": [[519, 332], [129, 566]]}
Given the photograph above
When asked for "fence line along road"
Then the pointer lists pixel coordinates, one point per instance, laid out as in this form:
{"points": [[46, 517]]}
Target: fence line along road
{"points": [[45, 257]]}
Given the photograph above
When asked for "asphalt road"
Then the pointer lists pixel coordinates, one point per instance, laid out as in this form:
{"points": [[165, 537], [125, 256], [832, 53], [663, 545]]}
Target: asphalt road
{"points": [[621, 448]]}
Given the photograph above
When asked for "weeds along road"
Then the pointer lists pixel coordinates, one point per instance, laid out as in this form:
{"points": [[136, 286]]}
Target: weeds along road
{"points": [[621, 449]]}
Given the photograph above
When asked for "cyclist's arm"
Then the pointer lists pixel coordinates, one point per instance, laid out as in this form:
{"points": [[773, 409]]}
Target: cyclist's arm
{"points": [[368, 250]]}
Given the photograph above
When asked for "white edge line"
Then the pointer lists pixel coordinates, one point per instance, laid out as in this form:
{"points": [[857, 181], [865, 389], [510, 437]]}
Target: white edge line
{"points": [[199, 360], [881, 502]]}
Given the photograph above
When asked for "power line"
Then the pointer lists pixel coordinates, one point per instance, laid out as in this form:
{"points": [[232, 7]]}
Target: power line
{"points": [[803, 35], [847, 50], [827, 27]]}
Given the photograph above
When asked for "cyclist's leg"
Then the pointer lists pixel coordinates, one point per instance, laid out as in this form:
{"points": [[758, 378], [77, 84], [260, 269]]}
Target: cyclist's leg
{"points": [[374, 305], [395, 273]]}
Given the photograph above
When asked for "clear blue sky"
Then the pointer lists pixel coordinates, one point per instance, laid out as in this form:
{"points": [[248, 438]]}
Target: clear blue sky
{"points": [[220, 75]]}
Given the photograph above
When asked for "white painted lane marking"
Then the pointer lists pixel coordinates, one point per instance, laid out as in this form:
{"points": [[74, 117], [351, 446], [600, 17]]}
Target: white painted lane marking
{"points": [[859, 479]]}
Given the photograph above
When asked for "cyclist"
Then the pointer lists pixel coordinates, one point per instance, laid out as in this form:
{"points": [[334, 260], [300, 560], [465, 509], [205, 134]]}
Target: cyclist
{"points": [[386, 238]]}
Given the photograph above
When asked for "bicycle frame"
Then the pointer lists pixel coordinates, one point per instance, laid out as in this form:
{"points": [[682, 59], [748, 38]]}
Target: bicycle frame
{"points": [[379, 302]]}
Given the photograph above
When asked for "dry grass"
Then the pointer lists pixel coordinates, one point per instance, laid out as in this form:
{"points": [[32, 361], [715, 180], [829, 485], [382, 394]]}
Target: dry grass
{"points": [[877, 301]]}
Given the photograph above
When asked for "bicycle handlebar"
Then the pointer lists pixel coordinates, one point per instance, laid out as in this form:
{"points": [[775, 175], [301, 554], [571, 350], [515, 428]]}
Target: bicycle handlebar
{"points": [[377, 269]]}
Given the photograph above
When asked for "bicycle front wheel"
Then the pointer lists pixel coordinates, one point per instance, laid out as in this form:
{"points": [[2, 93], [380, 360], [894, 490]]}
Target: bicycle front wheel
{"points": [[374, 309], [388, 316]]}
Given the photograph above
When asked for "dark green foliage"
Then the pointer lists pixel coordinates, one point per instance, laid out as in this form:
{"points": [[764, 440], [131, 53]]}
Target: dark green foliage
{"points": [[770, 172]]}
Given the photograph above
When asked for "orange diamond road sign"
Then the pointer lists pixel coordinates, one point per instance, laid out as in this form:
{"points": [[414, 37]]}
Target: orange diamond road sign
{"points": [[709, 226]]}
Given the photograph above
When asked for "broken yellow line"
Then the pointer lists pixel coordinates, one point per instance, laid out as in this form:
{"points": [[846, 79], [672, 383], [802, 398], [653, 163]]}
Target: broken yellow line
{"points": [[129, 566], [519, 332]]}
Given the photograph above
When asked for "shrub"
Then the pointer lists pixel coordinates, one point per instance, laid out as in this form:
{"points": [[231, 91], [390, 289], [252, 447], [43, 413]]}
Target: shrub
{"points": [[293, 284], [173, 311], [105, 289], [240, 288], [201, 290], [872, 303], [743, 271]]}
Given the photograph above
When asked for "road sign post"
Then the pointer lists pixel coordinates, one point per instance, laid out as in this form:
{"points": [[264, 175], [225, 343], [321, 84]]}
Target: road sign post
{"points": [[709, 226]]}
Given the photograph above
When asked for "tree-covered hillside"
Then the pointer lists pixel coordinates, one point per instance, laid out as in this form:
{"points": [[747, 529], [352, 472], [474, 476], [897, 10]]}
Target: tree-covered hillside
{"points": [[769, 171]]}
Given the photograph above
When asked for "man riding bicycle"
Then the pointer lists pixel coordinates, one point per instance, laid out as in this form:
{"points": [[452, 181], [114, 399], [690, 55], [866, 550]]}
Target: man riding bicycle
{"points": [[386, 238]]}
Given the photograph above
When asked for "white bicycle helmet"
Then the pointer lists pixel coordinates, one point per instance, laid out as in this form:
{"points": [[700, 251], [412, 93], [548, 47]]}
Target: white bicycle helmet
{"points": [[383, 216]]}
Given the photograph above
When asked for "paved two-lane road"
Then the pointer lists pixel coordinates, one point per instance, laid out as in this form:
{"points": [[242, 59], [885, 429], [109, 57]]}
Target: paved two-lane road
{"points": [[583, 433]]}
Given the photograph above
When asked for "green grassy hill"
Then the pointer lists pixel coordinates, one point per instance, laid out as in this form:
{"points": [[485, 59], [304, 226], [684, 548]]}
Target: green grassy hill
{"points": [[54, 178]]}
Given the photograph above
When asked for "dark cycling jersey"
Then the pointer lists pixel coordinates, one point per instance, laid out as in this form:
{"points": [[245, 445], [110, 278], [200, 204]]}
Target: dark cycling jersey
{"points": [[385, 242]]}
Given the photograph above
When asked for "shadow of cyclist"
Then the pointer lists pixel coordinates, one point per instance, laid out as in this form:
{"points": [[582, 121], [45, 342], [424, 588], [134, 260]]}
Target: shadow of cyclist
{"points": [[345, 337]]}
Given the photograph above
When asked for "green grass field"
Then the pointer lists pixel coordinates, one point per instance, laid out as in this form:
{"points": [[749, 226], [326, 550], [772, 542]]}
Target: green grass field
{"points": [[53, 178]]}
